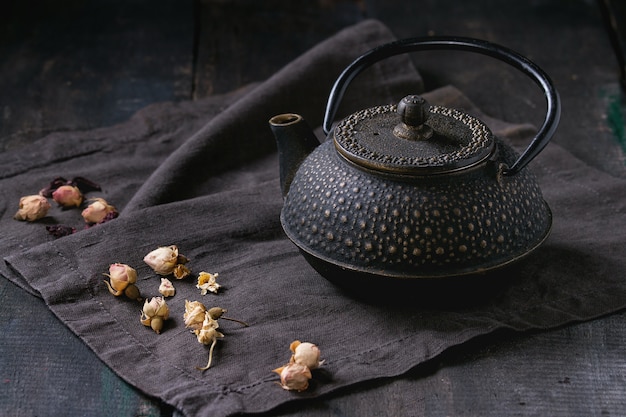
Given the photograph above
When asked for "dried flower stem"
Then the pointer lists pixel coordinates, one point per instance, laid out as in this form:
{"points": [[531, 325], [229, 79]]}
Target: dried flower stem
{"points": [[218, 313], [243, 323], [208, 365]]}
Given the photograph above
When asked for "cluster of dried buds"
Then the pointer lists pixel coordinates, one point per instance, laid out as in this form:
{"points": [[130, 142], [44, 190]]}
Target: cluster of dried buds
{"points": [[166, 260], [295, 375], [67, 194], [203, 323]]}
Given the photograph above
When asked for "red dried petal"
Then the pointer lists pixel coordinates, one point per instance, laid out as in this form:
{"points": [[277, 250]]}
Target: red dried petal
{"points": [[60, 230]]}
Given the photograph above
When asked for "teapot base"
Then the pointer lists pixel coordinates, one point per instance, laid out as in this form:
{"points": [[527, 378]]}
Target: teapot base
{"points": [[431, 292], [463, 288]]}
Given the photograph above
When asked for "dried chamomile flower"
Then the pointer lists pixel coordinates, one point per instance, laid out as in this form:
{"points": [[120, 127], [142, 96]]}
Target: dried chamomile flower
{"points": [[68, 196], [123, 278], [154, 313], [181, 271], [165, 259], [194, 314], [32, 207], [306, 354], [166, 288], [98, 211], [207, 282], [294, 376]]}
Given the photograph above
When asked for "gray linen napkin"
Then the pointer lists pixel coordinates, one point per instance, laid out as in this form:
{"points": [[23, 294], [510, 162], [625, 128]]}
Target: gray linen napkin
{"points": [[204, 176]]}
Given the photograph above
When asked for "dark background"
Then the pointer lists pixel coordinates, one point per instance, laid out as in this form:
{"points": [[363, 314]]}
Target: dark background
{"points": [[78, 65]]}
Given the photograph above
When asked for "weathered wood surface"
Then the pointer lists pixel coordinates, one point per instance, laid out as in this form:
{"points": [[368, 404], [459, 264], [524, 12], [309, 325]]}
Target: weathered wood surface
{"points": [[79, 65]]}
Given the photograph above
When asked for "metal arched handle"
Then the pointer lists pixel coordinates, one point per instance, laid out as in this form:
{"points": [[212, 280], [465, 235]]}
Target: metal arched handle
{"points": [[516, 60]]}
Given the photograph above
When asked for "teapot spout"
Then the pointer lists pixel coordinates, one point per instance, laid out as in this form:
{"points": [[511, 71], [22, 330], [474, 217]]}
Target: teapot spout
{"points": [[295, 141]]}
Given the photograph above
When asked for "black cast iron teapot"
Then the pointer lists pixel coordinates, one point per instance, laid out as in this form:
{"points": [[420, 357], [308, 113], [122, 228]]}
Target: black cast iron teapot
{"points": [[411, 192]]}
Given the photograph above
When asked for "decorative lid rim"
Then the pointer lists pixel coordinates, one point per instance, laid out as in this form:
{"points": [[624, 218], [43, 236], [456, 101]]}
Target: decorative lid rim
{"points": [[480, 146]]}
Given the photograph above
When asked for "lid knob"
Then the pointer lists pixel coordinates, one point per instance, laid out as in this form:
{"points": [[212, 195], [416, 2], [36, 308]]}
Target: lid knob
{"points": [[414, 111]]}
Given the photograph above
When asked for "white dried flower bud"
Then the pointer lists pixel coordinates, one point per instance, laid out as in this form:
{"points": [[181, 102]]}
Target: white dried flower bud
{"points": [[194, 314], [208, 332], [294, 376], [163, 260], [154, 312], [306, 354], [207, 282], [32, 207], [166, 288]]}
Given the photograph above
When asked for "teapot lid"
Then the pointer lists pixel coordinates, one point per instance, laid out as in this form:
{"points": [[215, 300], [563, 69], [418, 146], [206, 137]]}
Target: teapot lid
{"points": [[413, 138]]}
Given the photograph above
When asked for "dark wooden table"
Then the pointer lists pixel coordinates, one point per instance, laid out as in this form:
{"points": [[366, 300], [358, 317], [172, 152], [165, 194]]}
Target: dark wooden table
{"points": [[84, 64]]}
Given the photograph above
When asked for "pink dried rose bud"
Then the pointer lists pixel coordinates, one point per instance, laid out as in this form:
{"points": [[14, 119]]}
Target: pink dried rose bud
{"points": [[83, 184], [68, 196], [97, 211], [294, 376], [306, 354], [32, 207], [123, 278], [154, 313], [164, 259]]}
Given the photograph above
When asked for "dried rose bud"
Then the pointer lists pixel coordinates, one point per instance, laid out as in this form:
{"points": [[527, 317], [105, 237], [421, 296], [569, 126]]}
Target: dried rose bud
{"points": [[83, 184], [216, 312], [68, 196], [163, 260], [207, 282], [32, 207], [166, 288], [194, 314], [97, 211], [306, 354], [154, 313], [156, 307], [208, 331], [181, 271], [121, 276], [132, 292], [294, 376]]}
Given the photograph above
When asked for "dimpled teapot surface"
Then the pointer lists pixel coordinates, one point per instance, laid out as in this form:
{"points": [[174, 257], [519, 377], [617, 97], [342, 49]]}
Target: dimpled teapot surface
{"points": [[411, 191]]}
